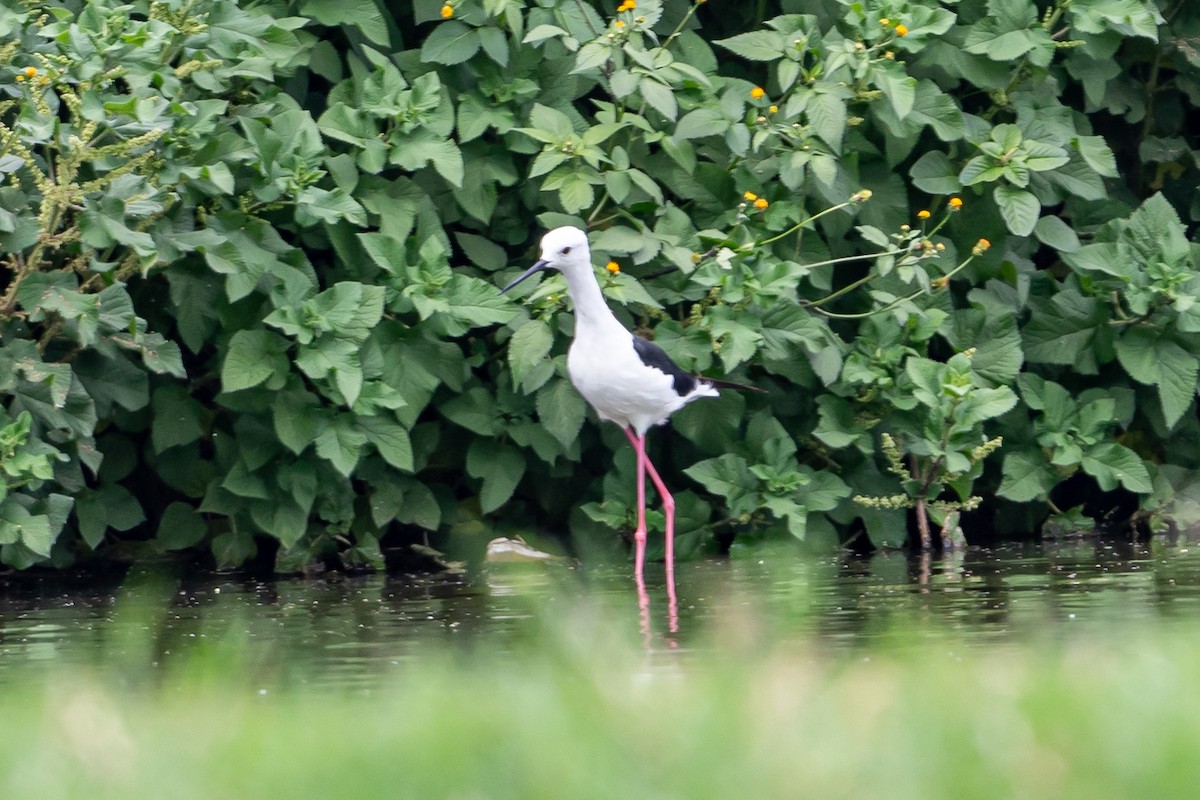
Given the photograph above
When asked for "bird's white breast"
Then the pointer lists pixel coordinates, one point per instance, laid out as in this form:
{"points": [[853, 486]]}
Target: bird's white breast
{"points": [[613, 379]]}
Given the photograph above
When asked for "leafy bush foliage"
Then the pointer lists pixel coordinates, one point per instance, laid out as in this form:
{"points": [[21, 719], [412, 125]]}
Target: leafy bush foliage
{"points": [[251, 254]]}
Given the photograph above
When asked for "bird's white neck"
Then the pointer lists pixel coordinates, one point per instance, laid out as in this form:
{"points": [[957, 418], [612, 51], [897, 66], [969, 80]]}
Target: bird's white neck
{"points": [[590, 309]]}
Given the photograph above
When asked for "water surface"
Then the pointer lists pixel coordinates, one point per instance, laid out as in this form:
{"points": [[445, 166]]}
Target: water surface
{"points": [[359, 632]]}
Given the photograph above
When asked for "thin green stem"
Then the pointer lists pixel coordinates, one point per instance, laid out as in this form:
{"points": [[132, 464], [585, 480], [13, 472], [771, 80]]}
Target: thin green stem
{"points": [[599, 205], [898, 302], [679, 28], [796, 227], [860, 257], [847, 288]]}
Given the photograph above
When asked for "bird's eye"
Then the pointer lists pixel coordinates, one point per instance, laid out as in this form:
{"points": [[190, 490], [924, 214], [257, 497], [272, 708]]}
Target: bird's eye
{"points": [[566, 250]]}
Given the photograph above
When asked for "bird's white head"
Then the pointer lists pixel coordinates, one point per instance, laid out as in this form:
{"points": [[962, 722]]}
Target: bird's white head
{"points": [[564, 249]]}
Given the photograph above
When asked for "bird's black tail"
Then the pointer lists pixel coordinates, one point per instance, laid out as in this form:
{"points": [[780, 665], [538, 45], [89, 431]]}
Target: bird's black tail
{"points": [[721, 383]]}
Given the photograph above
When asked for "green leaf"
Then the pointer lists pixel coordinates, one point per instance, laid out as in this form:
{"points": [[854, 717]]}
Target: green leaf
{"points": [[363, 14], [827, 114], [234, 548], [341, 443], [985, 404], [899, 89], [180, 527], [1053, 232], [726, 476], [1009, 32], [17, 524], [528, 347], [1097, 154], [755, 45], [576, 193], [420, 507], [980, 169], [337, 357], [253, 356], [660, 97], [1027, 476], [1111, 463], [451, 42], [391, 439], [427, 148], [297, 418], [1153, 358], [111, 506], [561, 411], [475, 410], [176, 420], [112, 381], [1112, 258], [934, 174], [701, 122], [314, 204], [1020, 209], [481, 251], [285, 520], [499, 466], [1064, 330]]}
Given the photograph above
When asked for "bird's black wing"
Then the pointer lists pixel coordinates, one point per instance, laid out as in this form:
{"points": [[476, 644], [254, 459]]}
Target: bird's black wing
{"points": [[654, 356]]}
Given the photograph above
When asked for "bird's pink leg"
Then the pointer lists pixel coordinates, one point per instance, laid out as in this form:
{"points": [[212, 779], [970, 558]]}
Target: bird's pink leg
{"points": [[646, 465], [639, 534]]}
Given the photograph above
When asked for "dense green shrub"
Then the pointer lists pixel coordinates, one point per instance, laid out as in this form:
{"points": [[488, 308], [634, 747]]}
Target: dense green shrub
{"points": [[251, 251]]}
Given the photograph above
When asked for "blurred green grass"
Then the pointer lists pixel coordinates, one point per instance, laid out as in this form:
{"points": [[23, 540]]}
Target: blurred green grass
{"points": [[583, 710]]}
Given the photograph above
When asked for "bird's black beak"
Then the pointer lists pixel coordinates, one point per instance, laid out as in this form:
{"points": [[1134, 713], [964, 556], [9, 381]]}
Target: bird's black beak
{"points": [[538, 267]]}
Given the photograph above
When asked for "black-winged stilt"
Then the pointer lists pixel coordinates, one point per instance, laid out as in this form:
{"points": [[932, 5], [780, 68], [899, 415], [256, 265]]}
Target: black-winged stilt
{"points": [[625, 378]]}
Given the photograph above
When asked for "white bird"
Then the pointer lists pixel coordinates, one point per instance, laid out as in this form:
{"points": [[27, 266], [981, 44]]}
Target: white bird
{"points": [[627, 379]]}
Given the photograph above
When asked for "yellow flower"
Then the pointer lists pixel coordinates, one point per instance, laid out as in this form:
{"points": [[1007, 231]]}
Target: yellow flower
{"points": [[447, 11], [613, 267], [902, 30], [938, 283], [761, 203], [619, 24], [956, 203], [20, 79], [889, 55], [861, 196], [980, 246], [885, 22], [773, 109], [750, 196], [922, 214], [758, 93], [30, 72], [627, 5]]}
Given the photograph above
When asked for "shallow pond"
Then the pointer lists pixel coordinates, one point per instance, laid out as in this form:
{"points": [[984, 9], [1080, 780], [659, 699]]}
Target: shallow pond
{"points": [[353, 632]]}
